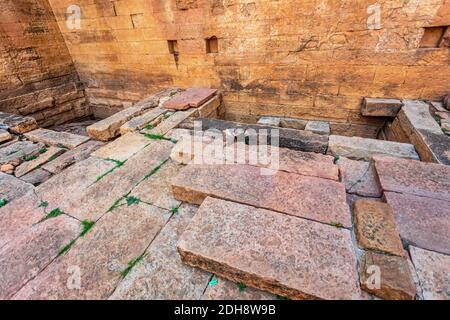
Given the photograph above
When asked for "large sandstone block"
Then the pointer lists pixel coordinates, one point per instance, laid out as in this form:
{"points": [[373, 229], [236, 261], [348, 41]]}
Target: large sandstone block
{"points": [[170, 123], [245, 244], [152, 117], [18, 124], [55, 138], [364, 149], [302, 196], [376, 107]]}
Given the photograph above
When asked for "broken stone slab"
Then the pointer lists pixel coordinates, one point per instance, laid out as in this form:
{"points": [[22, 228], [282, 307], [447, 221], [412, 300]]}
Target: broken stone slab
{"points": [[149, 118], [432, 147], [269, 121], [55, 138], [395, 282], [292, 123], [28, 166], [319, 127], [36, 177], [379, 107], [70, 157], [244, 244], [4, 136], [433, 270], [162, 275], [221, 289], [123, 147], [375, 227], [423, 222], [364, 149], [288, 138], [12, 188], [169, 123], [101, 256], [191, 98], [413, 177], [321, 199], [17, 124], [26, 256], [19, 150], [359, 177]]}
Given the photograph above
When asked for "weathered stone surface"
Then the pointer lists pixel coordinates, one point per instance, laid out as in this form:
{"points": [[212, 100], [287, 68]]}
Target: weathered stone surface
{"points": [[19, 150], [157, 189], [413, 177], [101, 255], [415, 115], [363, 148], [375, 107], [23, 258], [292, 123], [70, 157], [288, 138], [269, 121], [228, 290], [359, 177], [29, 166], [433, 270], [423, 222], [18, 124], [169, 123], [152, 117], [375, 227], [319, 127], [55, 138], [322, 200], [7, 168], [437, 106], [395, 132], [12, 188], [396, 282], [162, 275], [432, 147], [209, 109], [36, 177], [4, 136], [124, 147], [244, 244], [191, 98]]}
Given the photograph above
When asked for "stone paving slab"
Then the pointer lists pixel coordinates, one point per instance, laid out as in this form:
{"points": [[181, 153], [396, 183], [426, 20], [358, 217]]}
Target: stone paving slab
{"points": [[284, 255], [28, 254], [157, 189], [228, 290], [377, 107], [4, 136], [28, 166], [162, 275], [78, 154], [191, 98], [18, 150], [357, 148], [359, 177], [433, 270], [123, 148], [12, 188], [375, 227], [171, 122], [55, 138], [17, 124], [414, 177], [36, 177], [302, 196], [100, 256], [422, 222], [153, 117]]}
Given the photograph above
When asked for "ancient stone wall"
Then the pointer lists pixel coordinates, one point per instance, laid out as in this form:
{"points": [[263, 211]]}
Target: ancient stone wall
{"points": [[37, 75], [311, 59]]}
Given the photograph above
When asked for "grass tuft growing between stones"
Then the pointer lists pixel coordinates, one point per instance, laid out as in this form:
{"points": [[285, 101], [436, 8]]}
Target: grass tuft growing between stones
{"points": [[149, 127], [43, 204], [86, 226], [132, 200], [131, 265], [175, 210], [241, 286], [337, 224], [66, 248], [3, 202], [52, 214], [29, 158], [155, 136], [155, 169], [282, 298], [118, 165], [42, 150]]}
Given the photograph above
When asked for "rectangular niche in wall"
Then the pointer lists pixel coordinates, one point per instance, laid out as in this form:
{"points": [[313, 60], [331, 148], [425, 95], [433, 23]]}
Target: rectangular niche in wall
{"points": [[433, 37], [173, 46], [212, 45]]}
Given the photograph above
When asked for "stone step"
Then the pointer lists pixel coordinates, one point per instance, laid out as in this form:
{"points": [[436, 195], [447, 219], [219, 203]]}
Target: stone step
{"points": [[99, 257], [19, 150], [161, 275], [123, 147], [221, 289], [152, 117], [359, 177], [284, 255], [191, 98], [28, 166], [378, 107], [302, 196], [17, 124], [12, 188], [288, 138], [364, 149], [55, 138], [27, 255], [423, 222], [413, 177]]}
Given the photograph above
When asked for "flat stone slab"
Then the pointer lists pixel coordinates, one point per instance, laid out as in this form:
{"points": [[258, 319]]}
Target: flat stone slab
{"points": [[36, 177], [28, 166], [221, 289], [169, 123], [364, 149], [319, 127], [23, 258], [4, 136], [152, 117], [245, 244], [78, 154], [414, 177], [375, 227], [19, 150], [270, 121], [162, 275], [415, 115], [379, 107], [433, 270], [422, 222], [359, 177], [191, 98], [124, 147], [55, 138], [395, 282], [12, 187], [100, 256], [17, 124], [302, 196]]}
